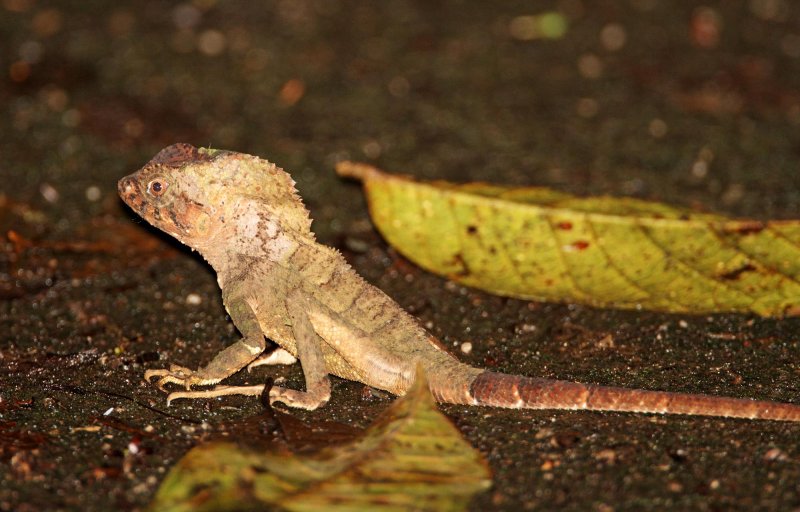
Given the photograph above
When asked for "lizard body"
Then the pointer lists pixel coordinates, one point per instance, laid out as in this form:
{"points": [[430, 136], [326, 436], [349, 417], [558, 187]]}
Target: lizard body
{"points": [[244, 216]]}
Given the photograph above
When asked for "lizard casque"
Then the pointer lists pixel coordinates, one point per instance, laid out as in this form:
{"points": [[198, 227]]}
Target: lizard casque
{"points": [[244, 216]]}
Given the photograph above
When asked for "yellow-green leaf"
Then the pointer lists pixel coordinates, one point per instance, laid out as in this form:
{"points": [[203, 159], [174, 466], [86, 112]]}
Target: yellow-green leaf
{"points": [[411, 457], [537, 243]]}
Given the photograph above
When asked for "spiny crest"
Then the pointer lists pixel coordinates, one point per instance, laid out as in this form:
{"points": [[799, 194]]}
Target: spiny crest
{"points": [[275, 190], [251, 177], [179, 154]]}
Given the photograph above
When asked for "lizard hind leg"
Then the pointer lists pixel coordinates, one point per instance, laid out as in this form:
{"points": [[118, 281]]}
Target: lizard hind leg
{"points": [[309, 351]]}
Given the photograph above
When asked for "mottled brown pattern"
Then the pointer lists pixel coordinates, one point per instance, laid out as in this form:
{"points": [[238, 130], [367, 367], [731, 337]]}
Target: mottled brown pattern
{"points": [[179, 154], [501, 390]]}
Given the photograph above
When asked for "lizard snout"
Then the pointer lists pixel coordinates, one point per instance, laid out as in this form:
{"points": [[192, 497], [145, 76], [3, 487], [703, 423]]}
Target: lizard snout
{"points": [[129, 192]]}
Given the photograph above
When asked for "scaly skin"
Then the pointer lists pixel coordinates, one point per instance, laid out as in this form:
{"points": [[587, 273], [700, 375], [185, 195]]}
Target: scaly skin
{"points": [[245, 217]]}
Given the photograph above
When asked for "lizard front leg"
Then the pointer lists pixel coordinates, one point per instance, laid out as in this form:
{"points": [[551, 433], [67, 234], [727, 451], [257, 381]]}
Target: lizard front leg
{"points": [[226, 363]]}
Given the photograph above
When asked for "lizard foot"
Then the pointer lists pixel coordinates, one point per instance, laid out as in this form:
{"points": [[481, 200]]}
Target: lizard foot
{"points": [[177, 375], [277, 356], [298, 399]]}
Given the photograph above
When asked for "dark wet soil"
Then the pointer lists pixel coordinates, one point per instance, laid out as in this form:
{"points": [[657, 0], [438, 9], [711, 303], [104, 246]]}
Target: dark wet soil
{"points": [[694, 105]]}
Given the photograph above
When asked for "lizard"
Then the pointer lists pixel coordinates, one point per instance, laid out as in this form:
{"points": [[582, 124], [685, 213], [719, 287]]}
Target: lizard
{"points": [[244, 216]]}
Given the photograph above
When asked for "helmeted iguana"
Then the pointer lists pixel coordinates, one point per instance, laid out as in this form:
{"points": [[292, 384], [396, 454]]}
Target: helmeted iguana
{"points": [[244, 216]]}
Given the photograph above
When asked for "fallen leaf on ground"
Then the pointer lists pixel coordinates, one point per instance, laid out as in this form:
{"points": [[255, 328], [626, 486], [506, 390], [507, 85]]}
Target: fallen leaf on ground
{"points": [[537, 243], [410, 458]]}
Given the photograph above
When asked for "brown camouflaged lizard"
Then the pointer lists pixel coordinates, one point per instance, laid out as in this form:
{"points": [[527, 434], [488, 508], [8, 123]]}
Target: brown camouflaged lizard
{"points": [[245, 217]]}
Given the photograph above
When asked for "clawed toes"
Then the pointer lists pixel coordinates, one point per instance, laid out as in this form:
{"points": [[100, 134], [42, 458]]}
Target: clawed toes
{"points": [[176, 395], [187, 378], [175, 375], [296, 399], [149, 374], [161, 375]]}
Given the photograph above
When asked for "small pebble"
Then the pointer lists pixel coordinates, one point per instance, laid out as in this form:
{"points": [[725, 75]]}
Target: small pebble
{"points": [[606, 455], [49, 193], [775, 454], [675, 487], [93, 193]]}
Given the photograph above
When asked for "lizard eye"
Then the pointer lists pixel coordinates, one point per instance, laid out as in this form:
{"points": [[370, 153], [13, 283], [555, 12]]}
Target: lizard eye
{"points": [[156, 187]]}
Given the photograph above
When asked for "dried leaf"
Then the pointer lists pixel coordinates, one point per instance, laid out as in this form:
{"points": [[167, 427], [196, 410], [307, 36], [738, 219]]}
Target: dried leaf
{"points": [[412, 457], [537, 243]]}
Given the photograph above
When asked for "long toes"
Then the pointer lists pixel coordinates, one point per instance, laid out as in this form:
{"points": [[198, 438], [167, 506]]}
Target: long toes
{"points": [[175, 375], [167, 379], [217, 392], [203, 393], [149, 374], [176, 395]]}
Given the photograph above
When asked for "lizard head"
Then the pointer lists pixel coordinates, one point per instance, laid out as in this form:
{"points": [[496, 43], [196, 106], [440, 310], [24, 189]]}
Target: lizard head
{"points": [[201, 195], [171, 193]]}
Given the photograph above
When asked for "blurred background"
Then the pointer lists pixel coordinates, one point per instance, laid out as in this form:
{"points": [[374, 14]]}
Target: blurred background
{"points": [[671, 100], [696, 104]]}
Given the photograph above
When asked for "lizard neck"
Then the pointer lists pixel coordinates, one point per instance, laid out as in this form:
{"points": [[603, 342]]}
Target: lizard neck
{"points": [[245, 233]]}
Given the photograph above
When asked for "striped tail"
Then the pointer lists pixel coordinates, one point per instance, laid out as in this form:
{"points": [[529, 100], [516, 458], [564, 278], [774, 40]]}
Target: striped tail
{"points": [[513, 391]]}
